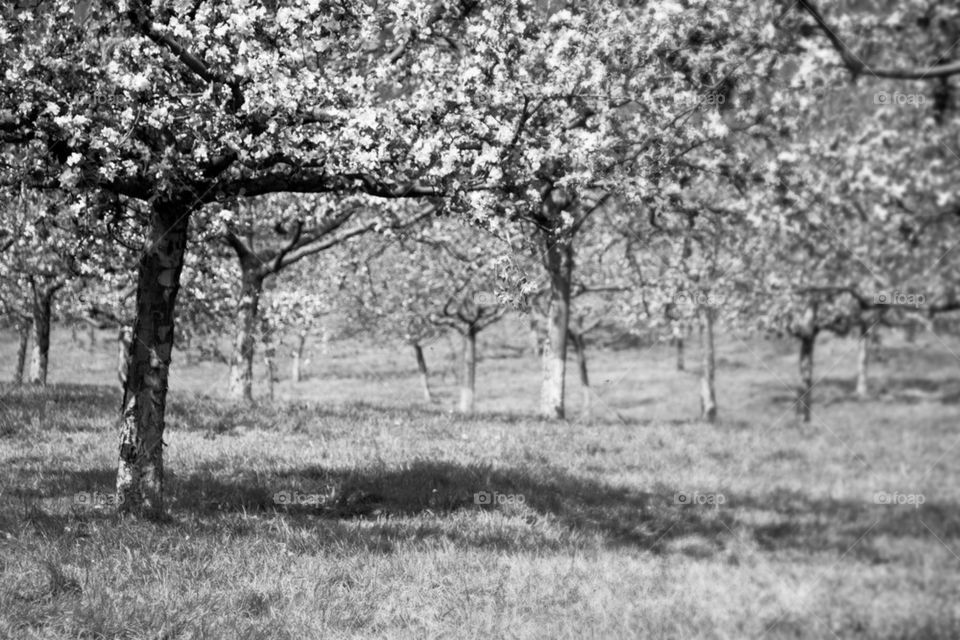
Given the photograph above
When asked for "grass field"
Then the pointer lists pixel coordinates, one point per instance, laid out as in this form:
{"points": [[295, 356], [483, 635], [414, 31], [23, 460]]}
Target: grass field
{"points": [[590, 542]]}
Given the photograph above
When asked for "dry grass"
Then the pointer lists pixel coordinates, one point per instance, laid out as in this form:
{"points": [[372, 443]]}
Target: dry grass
{"points": [[398, 549]]}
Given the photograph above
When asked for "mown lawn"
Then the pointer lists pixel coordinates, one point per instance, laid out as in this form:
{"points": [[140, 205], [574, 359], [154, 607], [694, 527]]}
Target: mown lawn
{"points": [[591, 543]]}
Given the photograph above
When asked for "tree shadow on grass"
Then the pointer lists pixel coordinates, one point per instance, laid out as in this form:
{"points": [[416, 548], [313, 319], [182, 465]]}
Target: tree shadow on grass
{"points": [[444, 489], [45, 496], [427, 502]]}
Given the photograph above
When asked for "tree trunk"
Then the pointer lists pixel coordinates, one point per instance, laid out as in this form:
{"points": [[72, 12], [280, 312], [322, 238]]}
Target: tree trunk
{"points": [[708, 393], [559, 265], [805, 394], [863, 361], [92, 335], [241, 365], [140, 467], [23, 334], [424, 374], [678, 339], [269, 357], [42, 304], [296, 367], [580, 345], [808, 335], [469, 377]]}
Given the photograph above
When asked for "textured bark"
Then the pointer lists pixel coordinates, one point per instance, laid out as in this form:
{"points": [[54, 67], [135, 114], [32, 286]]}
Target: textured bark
{"points": [[863, 362], [140, 467], [42, 305], [708, 392], [468, 378], [23, 335], [241, 364], [559, 264], [424, 374], [580, 345], [296, 366]]}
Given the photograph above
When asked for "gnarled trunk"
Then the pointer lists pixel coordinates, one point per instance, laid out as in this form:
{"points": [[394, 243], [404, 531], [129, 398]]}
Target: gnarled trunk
{"points": [[140, 468], [580, 345], [241, 364], [468, 379], [708, 393], [424, 374], [559, 264], [23, 336], [296, 366], [863, 361], [42, 305]]}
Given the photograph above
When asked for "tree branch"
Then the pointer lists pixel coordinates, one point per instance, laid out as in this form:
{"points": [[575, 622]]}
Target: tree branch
{"points": [[328, 183], [857, 66]]}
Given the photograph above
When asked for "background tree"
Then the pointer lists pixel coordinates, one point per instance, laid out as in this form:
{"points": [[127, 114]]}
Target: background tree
{"points": [[303, 227], [438, 276]]}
